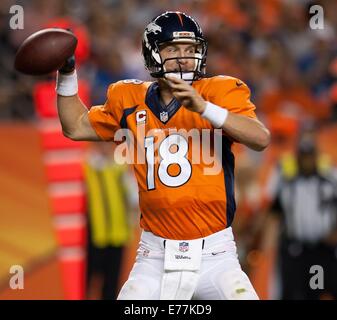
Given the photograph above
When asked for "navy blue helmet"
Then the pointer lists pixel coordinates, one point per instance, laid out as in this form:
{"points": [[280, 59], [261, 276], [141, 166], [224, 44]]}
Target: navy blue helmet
{"points": [[173, 26]]}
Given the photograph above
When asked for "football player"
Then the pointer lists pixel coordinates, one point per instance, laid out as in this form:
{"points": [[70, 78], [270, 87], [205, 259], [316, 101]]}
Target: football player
{"points": [[187, 249]]}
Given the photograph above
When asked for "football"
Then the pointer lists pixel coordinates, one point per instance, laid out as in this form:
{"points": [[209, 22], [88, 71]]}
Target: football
{"points": [[45, 51]]}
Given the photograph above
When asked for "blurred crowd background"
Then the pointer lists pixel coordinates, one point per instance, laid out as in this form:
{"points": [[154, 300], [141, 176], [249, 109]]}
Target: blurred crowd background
{"points": [[290, 68], [268, 44]]}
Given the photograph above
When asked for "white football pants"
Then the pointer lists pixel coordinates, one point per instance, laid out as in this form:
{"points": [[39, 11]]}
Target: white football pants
{"points": [[221, 276]]}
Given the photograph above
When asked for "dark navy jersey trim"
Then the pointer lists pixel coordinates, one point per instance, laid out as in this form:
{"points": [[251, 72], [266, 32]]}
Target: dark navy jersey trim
{"points": [[126, 113], [152, 100], [228, 167]]}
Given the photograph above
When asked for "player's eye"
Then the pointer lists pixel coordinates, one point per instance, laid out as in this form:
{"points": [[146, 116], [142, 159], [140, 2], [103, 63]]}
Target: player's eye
{"points": [[171, 49]]}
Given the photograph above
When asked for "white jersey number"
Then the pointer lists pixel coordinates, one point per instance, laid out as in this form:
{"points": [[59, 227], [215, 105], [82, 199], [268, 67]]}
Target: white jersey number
{"points": [[168, 158]]}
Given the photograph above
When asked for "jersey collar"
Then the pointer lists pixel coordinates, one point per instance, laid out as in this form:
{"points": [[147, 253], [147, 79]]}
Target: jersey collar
{"points": [[162, 112]]}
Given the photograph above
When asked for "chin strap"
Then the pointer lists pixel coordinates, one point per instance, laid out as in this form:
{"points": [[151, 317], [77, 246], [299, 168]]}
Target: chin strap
{"points": [[187, 76]]}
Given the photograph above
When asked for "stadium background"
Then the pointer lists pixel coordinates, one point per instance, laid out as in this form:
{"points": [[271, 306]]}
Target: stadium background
{"points": [[290, 68]]}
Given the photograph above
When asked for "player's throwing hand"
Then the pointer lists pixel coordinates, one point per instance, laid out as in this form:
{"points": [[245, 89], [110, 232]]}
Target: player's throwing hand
{"points": [[186, 94]]}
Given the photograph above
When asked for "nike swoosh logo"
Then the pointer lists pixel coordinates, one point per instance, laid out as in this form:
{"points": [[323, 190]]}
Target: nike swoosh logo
{"points": [[239, 84], [215, 253]]}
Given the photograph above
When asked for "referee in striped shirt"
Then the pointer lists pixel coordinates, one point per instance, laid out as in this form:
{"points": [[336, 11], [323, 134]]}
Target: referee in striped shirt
{"points": [[305, 205]]}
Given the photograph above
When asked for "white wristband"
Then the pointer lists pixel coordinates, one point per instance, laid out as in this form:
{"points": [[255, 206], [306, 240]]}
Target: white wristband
{"points": [[66, 84], [216, 115]]}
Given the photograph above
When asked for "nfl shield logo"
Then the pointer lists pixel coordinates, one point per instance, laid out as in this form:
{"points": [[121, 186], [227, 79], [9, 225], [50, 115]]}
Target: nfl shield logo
{"points": [[163, 116], [183, 246]]}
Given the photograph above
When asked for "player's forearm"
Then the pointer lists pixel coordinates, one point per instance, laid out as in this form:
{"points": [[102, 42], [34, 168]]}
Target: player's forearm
{"points": [[243, 129], [71, 110], [250, 132], [73, 113]]}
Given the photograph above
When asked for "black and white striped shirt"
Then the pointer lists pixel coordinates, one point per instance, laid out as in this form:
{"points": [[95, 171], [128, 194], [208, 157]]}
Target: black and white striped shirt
{"points": [[308, 205]]}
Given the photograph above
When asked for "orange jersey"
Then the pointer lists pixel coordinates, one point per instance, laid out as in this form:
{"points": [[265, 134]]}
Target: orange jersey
{"points": [[177, 200]]}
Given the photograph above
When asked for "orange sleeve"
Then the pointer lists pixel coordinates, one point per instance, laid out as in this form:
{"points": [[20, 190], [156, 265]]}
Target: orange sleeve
{"points": [[105, 119], [232, 94]]}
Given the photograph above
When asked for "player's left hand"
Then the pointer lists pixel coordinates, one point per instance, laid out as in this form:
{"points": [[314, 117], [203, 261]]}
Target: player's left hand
{"points": [[186, 94]]}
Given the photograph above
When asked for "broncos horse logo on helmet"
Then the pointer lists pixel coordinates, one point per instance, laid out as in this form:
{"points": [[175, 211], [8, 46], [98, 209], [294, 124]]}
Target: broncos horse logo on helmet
{"points": [[173, 26], [151, 27]]}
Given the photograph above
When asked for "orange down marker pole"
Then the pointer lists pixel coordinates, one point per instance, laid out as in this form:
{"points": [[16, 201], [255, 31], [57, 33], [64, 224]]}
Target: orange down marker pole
{"points": [[65, 182]]}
